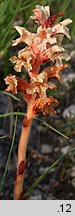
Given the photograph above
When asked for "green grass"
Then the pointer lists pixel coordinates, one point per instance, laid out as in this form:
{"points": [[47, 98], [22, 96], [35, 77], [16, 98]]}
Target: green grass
{"points": [[45, 174], [12, 144], [41, 121], [8, 159], [11, 95]]}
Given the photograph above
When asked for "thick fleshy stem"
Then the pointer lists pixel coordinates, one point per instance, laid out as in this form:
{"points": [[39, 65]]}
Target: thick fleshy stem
{"points": [[22, 150]]}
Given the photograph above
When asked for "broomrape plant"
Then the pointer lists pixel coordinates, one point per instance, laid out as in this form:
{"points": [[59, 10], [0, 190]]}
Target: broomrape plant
{"points": [[43, 46]]}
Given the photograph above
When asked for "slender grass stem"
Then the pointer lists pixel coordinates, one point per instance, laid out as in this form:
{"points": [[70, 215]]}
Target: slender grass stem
{"points": [[43, 176], [43, 122], [7, 163], [3, 137], [9, 94]]}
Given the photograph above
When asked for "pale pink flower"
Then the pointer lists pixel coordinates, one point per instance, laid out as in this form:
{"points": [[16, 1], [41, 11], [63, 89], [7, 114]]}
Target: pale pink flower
{"points": [[57, 55], [60, 28], [40, 88], [23, 59], [45, 45], [11, 81], [41, 14], [55, 72], [26, 36]]}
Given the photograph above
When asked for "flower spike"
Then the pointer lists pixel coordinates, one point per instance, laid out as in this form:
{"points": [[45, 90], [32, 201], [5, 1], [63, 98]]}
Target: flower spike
{"points": [[43, 46]]}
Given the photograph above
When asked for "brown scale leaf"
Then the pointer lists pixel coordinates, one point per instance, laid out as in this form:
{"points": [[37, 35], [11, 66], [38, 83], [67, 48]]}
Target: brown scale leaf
{"points": [[22, 85], [21, 168], [16, 84], [45, 105], [25, 121], [28, 97], [55, 71]]}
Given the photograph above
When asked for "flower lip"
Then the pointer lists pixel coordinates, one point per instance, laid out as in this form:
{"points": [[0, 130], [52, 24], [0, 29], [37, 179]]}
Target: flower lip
{"points": [[41, 14], [45, 105], [11, 81]]}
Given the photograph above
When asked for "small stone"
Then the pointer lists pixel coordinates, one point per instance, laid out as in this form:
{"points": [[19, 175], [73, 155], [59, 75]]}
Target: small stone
{"points": [[72, 60], [45, 188], [36, 192], [70, 194], [46, 149], [39, 128], [69, 112], [69, 78], [65, 150], [73, 182], [50, 197], [38, 197], [72, 172], [42, 170], [56, 149], [72, 53]]}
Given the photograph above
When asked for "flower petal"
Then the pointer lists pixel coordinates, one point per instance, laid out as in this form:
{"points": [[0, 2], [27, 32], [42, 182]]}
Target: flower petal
{"points": [[66, 22], [41, 14], [11, 81], [23, 59], [54, 71], [45, 105], [26, 36], [60, 57], [61, 29]]}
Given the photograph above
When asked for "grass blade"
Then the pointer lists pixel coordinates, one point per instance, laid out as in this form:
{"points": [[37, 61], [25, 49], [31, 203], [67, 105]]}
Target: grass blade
{"points": [[12, 113], [52, 128], [12, 144], [43, 122], [35, 184], [3, 137], [11, 95]]}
